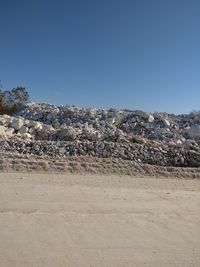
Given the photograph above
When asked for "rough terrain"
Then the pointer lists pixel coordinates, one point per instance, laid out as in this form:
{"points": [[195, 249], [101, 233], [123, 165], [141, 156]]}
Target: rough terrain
{"points": [[94, 187], [146, 138]]}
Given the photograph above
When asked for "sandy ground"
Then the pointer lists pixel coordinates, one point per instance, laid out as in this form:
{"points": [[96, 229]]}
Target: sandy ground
{"points": [[83, 220]]}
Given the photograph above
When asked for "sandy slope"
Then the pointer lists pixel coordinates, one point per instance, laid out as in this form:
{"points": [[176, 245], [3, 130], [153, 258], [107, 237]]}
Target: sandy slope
{"points": [[73, 220]]}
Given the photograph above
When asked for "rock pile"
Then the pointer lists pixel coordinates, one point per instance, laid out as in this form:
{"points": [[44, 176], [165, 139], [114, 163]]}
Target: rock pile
{"points": [[157, 138]]}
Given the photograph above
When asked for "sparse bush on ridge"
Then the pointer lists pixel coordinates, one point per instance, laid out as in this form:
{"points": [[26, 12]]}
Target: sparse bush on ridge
{"points": [[13, 100]]}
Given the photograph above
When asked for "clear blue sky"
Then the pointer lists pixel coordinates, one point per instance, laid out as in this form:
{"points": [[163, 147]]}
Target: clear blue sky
{"points": [[138, 54]]}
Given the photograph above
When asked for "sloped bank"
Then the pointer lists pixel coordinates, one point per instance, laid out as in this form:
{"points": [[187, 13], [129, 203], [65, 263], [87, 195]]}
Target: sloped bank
{"points": [[146, 153], [140, 138], [88, 165]]}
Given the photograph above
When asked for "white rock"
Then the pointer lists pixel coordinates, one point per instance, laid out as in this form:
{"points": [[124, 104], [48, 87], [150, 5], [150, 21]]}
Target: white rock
{"points": [[49, 116], [26, 136], [47, 128], [69, 133], [2, 130], [62, 150], [141, 114], [194, 132], [23, 129], [179, 142], [35, 124], [32, 131], [151, 118], [166, 122], [17, 123], [10, 131], [5, 120]]}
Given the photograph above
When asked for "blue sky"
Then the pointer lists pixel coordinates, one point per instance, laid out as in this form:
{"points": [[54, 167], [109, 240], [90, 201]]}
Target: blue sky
{"points": [[138, 54]]}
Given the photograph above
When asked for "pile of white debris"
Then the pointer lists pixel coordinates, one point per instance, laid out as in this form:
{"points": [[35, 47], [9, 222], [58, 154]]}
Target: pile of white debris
{"points": [[154, 138]]}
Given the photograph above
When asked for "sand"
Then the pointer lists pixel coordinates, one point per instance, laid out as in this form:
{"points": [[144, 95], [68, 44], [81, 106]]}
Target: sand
{"points": [[90, 220]]}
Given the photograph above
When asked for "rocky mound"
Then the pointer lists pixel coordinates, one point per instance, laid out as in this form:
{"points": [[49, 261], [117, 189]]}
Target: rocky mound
{"points": [[58, 131]]}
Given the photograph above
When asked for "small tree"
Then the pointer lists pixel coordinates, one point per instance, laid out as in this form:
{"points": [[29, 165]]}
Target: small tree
{"points": [[19, 95], [11, 101], [5, 108]]}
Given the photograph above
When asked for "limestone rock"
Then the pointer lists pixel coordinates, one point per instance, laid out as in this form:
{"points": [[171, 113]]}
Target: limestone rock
{"points": [[23, 129], [56, 131], [194, 132], [17, 123], [26, 136], [2, 130], [68, 133], [35, 124], [166, 123], [150, 118]]}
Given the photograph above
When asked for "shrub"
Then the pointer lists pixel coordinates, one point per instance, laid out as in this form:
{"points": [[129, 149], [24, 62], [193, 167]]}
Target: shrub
{"points": [[11, 101]]}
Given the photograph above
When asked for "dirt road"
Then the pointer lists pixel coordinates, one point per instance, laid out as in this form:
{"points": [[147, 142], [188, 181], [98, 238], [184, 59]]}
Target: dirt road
{"points": [[78, 220]]}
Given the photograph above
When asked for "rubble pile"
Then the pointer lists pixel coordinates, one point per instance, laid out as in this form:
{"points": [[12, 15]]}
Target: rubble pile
{"points": [[59, 131]]}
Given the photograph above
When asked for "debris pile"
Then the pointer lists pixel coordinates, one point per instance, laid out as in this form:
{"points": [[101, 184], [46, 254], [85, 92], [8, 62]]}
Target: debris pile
{"points": [[59, 131]]}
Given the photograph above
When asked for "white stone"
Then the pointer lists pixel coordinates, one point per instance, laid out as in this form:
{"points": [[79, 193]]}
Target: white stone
{"points": [[141, 114], [151, 118], [2, 130], [23, 129], [49, 116], [26, 136], [68, 133], [194, 132], [17, 123], [166, 122], [32, 131], [10, 131], [35, 124], [62, 150], [47, 128], [5, 120]]}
